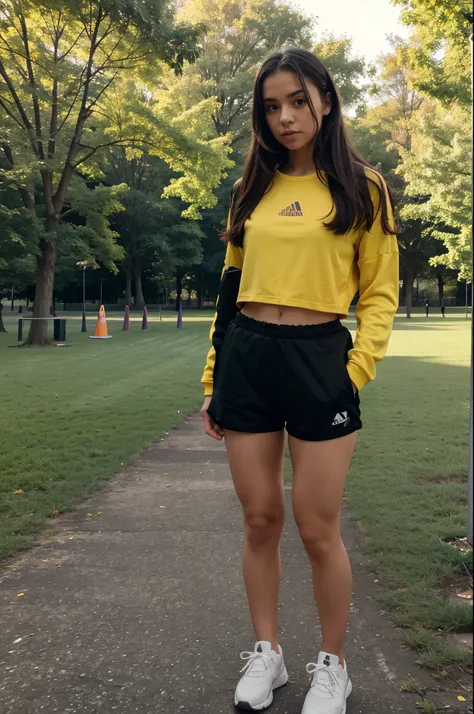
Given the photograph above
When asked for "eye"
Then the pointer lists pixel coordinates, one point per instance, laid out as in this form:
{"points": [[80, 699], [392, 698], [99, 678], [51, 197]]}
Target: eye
{"points": [[270, 108], [301, 101]]}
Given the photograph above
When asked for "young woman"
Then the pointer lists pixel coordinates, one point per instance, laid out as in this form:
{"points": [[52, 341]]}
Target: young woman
{"points": [[310, 225]]}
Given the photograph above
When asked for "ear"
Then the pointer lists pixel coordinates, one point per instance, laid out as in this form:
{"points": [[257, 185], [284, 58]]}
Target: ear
{"points": [[327, 104]]}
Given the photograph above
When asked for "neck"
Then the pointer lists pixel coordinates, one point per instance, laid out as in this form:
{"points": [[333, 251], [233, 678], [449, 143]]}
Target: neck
{"points": [[300, 162]]}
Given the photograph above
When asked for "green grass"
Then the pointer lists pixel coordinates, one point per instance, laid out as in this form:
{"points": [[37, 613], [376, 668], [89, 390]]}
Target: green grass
{"points": [[408, 481], [73, 416]]}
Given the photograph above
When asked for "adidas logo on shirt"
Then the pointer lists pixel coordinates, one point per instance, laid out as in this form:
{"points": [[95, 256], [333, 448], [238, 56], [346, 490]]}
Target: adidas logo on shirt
{"points": [[293, 210], [341, 419]]}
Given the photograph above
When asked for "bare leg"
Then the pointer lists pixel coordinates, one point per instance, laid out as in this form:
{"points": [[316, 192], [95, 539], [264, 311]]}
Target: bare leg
{"points": [[320, 470], [256, 463]]}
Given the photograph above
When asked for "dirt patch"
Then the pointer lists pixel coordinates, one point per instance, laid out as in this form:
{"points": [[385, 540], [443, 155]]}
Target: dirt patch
{"points": [[461, 544], [460, 640], [457, 588], [440, 480]]}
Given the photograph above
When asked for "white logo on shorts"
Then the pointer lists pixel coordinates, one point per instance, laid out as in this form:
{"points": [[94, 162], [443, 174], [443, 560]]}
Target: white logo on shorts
{"points": [[341, 419]]}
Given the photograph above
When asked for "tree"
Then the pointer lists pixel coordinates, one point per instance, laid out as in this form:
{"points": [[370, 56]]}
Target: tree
{"points": [[382, 135], [153, 232], [17, 242], [416, 246], [205, 277], [438, 166], [187, 145], [349, 71], [438, 163], [57, 65], [240, 34], [439, 51]]}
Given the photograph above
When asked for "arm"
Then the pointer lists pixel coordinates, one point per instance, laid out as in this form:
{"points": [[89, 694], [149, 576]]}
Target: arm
{"points": [[225, 312], [226, 303], [378, 263]]}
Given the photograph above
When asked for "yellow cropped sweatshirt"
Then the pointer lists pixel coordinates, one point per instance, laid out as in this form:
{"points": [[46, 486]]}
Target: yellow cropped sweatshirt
{"points": [[289, 258]]}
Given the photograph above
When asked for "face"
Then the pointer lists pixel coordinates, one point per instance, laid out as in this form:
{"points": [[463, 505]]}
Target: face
{"points": [[288, 113]]}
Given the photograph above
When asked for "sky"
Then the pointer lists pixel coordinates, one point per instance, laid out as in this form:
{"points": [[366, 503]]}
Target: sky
{"points": [[367, 22]]}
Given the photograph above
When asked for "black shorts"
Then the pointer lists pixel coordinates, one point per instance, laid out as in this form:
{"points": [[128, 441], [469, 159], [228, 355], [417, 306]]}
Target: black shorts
{"points": [[270, 376]]}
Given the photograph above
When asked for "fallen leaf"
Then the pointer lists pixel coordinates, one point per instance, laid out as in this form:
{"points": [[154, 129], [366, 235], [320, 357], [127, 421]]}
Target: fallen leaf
{"points": [[20, 492], [20, 594], [462, 699], [162, 506], [17, 640], [55, 513], [467, 595], [71, 538]]}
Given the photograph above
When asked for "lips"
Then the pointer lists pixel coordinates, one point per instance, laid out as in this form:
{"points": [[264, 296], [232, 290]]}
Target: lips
{"points": [[291, 133]]}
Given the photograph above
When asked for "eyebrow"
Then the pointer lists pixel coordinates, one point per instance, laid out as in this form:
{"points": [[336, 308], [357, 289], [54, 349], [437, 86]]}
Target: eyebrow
{"points": [[289, 96]]}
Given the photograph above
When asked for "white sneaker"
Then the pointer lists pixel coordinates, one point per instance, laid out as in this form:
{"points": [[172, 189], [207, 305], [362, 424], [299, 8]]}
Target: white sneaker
{"points": [[264, 672], [330, 686]]}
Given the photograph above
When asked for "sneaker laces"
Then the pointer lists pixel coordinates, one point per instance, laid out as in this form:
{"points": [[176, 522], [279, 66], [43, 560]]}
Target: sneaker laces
{"points": [[324, 678], [263, 660]]}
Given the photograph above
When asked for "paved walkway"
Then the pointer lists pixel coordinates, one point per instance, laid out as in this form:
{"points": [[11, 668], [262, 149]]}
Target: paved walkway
{"points": [[142, 609]]}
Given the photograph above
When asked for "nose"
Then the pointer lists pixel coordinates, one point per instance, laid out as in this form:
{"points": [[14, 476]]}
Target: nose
{"points": [[286, 116]]}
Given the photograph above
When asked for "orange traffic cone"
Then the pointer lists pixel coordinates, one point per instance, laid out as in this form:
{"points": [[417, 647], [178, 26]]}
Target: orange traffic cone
{"points": [[101, 327]]}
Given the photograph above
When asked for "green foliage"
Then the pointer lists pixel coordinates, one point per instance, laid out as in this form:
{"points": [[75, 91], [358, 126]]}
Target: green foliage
{"points": [[73, 82], [156, 238], [19, 234], [440, 53], [143, 123], [429, 148], [349, 71], [90, 238], [240, 34], [438, 166]]}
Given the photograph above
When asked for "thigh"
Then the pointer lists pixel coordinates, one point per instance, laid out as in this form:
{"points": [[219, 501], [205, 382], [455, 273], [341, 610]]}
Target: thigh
{"points": [[256, 464], [320, 471]]}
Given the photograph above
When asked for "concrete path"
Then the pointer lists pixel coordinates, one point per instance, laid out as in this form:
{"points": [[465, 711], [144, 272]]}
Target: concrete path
{"points": [[142, 609]]}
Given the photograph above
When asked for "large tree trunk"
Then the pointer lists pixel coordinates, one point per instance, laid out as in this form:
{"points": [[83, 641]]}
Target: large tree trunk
{"points": [[128, 286], [2, 326], [179, 287], [137, 274], [440, 288], [45, 263], [410, 277]]}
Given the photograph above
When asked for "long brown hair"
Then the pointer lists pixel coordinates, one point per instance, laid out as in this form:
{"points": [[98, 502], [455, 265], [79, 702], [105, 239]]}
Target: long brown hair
{"points": [[337, 163]]}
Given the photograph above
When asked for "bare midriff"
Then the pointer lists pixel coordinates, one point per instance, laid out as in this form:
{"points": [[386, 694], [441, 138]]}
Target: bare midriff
{"points": [[283, 315]]}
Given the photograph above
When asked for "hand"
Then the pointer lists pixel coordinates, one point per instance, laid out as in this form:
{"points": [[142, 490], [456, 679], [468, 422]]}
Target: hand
{"points": [[210, 427]]}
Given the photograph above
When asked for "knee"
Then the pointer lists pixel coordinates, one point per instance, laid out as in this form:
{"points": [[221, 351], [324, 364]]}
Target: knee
{"points": [[262, 527], [321, 542]]}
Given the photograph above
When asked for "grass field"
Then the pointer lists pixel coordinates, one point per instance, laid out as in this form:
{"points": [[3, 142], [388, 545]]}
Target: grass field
{"points": [[73, 416], [408, 481]]}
